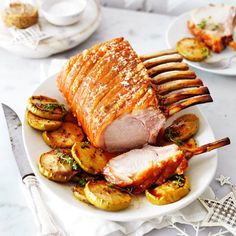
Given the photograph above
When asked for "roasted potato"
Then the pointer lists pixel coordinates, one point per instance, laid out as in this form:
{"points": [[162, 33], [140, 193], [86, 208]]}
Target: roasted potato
{"points": [[58, 165], [171, 191], [64, 137], [83, 178], [42, 124], [46, 107], [182, 128], [89, 158], [192, 49], [78, 192], [105, 196]]}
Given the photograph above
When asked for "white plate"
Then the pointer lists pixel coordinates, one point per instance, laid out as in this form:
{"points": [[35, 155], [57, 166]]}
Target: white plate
{"points": [[178, 30], [201, 170]]}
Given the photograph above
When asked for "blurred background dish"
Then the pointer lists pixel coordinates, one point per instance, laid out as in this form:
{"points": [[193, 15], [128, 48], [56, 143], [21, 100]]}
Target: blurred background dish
{"points": [[167, 7], [47, 39], [173, 36]]}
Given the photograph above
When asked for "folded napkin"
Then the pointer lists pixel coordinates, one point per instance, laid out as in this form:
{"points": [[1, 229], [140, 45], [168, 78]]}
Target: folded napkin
{"points": [[29, 37], [75, 223]]}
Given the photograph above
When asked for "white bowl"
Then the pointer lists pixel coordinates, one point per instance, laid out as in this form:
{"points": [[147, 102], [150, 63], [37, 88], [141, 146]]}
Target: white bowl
{"points": [[63, 12]]}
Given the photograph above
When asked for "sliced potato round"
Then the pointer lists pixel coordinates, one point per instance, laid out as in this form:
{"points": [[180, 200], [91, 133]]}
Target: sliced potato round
{"points": [[58, 165], [182, 128], [171, 191], [90, 159], [192, 49], [104, 197], [78, 192], [42, 124], [64, 137], [46, 107], [83, 178]]}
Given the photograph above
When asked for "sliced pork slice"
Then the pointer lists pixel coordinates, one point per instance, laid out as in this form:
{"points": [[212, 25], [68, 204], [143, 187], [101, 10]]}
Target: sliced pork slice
{"points": [[141, 168], [133, 130]]}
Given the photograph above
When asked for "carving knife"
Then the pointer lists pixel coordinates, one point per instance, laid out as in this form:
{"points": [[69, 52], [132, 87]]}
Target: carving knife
{"points": [[45, 222]]}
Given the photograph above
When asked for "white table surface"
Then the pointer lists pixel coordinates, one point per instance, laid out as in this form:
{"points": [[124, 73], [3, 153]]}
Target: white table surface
{"points": [[146, 32]]}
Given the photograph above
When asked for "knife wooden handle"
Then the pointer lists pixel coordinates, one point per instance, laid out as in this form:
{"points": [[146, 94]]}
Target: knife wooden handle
{"points": [[44, 220]]}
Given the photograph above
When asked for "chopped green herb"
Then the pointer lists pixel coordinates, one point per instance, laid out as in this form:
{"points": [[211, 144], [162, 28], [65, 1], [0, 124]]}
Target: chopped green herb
{"points": [[202, 24], [205, 52], [67, 159], [85, 144], [171, 133], [82, 182], [207, 22], [110, 185], [178, 142], [130, 189], [50, 106], [74, 166], [178, 179]]}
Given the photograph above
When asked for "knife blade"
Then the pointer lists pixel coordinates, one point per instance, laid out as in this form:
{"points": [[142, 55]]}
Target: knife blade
{"points": [[15, 131], [44, 220]]}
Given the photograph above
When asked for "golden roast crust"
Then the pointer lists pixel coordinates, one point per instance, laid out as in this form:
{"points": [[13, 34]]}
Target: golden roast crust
{"points": [[104, 83]]}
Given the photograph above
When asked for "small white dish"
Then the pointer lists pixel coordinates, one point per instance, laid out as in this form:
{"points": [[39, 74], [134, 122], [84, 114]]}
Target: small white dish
{"points": [[63, 12], [173, 36], [201, 169]]}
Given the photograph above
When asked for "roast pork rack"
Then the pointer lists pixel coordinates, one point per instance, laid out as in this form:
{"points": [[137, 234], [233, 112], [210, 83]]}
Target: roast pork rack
{"points": [[169, 73], [122, 100]]}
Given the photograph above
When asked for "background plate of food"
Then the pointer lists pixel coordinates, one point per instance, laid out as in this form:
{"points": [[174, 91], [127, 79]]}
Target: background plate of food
{"points": [[211, 30], [200, 172]]}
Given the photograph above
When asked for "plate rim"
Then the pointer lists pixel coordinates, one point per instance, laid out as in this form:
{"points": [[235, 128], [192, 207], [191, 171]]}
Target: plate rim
{"points": [[104, 214], [192, 64]]}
